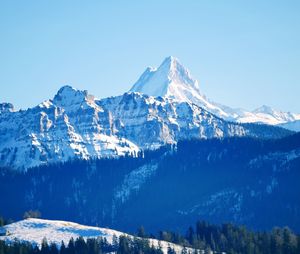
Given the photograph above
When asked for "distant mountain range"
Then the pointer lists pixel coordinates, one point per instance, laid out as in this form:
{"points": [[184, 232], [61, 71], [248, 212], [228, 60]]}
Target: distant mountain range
{"points": [[163, 107]]}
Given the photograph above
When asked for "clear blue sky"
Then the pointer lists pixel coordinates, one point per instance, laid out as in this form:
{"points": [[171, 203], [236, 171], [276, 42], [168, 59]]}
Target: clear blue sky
{"points": [[244, 53]]}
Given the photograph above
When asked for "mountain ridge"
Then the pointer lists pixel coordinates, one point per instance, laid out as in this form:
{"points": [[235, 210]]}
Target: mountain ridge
{"points": [[76, 125], [34, 230], [181, 86]]}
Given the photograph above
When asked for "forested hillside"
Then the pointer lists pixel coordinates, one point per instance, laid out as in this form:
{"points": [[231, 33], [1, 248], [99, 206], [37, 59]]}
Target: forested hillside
{"points": [[218, 180]]}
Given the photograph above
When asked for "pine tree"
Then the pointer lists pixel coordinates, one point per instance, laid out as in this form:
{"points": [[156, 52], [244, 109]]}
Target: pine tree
{"points": [[2, 247], [63, 249], [1, 222], [80, 246], [53, 249], [45, 247], [141, 232], [123, 245], [71, 246]]}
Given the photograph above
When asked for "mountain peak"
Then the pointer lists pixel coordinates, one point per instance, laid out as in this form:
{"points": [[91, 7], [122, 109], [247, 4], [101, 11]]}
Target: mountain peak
{"points": [[67, 95], [264, 109], [177, 73], [170, 79], [170, 61], [68, 90]]}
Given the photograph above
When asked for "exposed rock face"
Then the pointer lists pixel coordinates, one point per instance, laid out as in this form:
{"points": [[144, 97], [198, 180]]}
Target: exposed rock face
{"points": [[70, 126], [76, 125], [149, 121]]}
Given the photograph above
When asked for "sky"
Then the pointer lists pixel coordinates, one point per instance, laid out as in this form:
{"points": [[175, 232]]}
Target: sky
{"points": [[243, 53]]}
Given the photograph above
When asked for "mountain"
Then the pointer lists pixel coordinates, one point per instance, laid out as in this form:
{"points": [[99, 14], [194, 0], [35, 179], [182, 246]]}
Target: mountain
{"points": [[164, 106], [243, 180], [172, 80], [76, 125], [35, 230], [266, 114], [293, 126], [150, 122], [70, 126]]}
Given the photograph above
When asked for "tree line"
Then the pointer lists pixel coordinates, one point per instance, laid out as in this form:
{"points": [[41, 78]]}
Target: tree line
{"points": [[203, 236], [121, 245], [236, 239]]}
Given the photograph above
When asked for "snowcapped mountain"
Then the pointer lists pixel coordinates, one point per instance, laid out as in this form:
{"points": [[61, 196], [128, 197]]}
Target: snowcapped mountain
{"points": [[35, 230], [266, 114], [171, 79], [165, 105], [76, 125], [70, 126], [150, 122]]}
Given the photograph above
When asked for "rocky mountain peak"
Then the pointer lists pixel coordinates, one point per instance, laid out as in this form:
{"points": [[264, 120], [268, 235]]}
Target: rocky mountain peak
{"points": [[67, 96], [170, 79]]}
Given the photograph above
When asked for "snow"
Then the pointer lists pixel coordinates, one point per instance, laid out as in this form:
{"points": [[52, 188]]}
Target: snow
{"points": [[70, 126], [170, 75], [164, 106], [280, 159], [35, 230], [134, 180], [152, 121], [214, 203], [268, 115], [171, 79]]}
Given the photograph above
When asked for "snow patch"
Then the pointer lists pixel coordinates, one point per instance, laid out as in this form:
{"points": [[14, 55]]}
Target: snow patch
{"points": [[35, 230]]}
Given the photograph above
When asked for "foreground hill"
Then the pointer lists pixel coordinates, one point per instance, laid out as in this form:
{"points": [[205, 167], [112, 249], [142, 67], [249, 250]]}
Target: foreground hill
{"points": [[34, 231]]}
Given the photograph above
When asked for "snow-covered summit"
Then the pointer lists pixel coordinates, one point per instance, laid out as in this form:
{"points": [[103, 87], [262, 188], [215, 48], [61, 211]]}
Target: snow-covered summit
{"points": [[68, 96], [264, 109], [172, 80], [267, 114]]}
